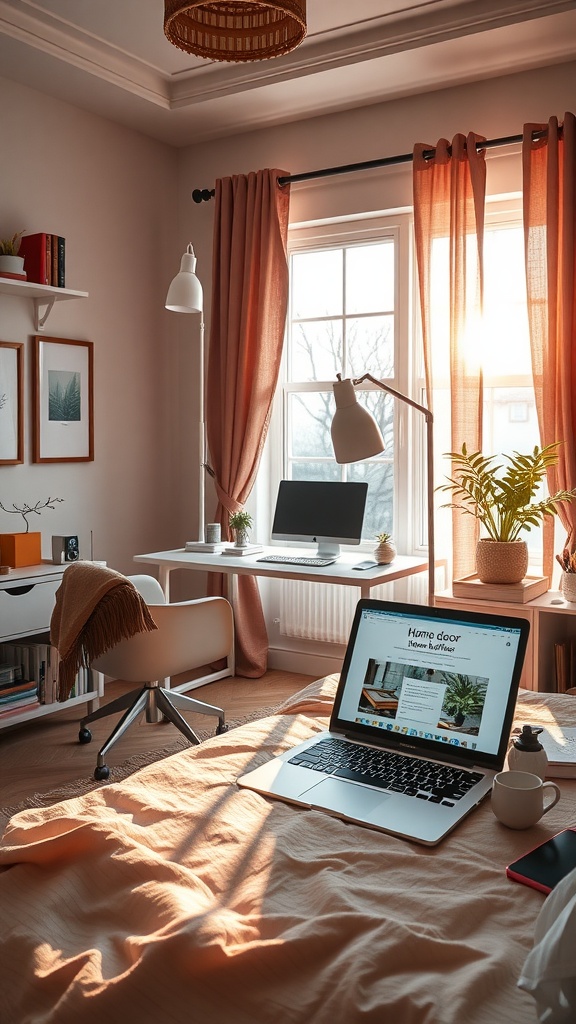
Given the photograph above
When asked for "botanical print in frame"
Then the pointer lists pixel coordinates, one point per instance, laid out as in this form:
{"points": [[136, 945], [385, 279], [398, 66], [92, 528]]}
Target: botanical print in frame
{"points": [[11, 403], [63, 400]]}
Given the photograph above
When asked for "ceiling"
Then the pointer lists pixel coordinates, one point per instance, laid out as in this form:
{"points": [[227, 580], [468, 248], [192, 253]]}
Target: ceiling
{"points": [[111, 57]]}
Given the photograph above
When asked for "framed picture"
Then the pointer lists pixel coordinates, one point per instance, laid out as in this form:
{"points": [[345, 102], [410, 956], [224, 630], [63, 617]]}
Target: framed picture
{"points": [[11, 403], [62, 400]]}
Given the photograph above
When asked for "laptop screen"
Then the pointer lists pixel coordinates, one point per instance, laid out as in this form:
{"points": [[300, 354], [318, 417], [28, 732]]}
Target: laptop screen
{"points": [[432, 679]]}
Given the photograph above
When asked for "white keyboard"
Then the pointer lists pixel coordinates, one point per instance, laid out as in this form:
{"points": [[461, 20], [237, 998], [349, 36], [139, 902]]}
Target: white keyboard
{"points": [[295, 560]]}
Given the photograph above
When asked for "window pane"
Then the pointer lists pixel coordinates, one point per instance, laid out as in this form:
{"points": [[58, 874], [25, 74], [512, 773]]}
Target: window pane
{"points": [[379, 515], [505, 337], [309, 418], [370, 346], [316, 350], [316, 284], [370, 278], [315, 471]]}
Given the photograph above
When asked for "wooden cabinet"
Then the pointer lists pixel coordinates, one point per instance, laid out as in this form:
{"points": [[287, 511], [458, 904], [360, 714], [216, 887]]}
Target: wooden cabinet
{"points": [[26, 603], [550, 623]]}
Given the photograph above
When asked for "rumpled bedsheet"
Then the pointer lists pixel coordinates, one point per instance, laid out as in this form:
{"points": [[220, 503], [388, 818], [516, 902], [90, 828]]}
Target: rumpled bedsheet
{"points": [[174, 897]]}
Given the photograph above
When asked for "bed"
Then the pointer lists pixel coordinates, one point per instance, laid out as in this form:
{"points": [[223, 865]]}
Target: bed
{"points": [[175, 896]]}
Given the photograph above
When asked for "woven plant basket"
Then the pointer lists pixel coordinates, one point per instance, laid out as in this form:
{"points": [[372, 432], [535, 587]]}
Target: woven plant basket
{"points": [[501, 561]]}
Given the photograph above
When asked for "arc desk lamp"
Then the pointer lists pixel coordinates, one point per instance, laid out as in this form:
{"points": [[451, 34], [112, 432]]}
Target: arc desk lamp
{"points": [[185, 295], [357, 436]]}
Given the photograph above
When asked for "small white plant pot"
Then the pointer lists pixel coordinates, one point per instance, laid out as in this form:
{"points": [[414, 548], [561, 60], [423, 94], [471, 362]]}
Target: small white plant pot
{"points": [[12, 264]]}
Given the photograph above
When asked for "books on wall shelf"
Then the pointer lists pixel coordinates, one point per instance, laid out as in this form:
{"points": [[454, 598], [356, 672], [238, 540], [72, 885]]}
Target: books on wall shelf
{"points": [[515, 593], [44, 258]]}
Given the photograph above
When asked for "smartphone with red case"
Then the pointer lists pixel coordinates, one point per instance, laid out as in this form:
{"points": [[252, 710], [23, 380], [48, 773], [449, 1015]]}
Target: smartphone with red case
{"points": [[548, 863]]}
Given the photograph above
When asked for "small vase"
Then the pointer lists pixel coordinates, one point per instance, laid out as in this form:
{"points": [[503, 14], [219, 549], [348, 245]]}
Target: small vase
{"points": [[568, 586], [385, 552], [241, 538], [501, 561]]}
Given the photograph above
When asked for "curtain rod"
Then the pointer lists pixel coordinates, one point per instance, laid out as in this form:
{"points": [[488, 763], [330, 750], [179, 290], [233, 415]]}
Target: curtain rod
{"points": [[204, 195]]}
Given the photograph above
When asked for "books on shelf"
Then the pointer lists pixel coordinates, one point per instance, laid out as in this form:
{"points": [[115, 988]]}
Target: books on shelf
{"points": [[559, 742], [29, 672], [565, 664], [44, 258], [516, 593]]}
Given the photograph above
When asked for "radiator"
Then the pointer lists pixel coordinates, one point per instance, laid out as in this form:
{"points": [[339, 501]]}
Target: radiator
{"points": [[324, 611]]}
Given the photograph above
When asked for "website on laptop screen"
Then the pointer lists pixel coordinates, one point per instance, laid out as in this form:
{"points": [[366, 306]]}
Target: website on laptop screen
{"points": [[433, 679]]}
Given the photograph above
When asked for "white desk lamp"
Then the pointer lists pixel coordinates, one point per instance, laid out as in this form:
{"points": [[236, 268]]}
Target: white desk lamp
{"points": [[185, 296], [356, 436]]}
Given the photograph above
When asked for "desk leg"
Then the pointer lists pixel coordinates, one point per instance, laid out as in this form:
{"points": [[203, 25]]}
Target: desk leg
{"points": [[164, 580]]}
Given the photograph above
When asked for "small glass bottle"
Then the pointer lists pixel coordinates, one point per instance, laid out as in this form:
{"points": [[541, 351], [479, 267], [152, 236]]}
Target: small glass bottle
{"points": [[527, 753]]}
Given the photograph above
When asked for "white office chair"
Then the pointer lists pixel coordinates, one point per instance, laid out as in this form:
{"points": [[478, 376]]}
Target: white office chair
{"points": [[190, 634]]}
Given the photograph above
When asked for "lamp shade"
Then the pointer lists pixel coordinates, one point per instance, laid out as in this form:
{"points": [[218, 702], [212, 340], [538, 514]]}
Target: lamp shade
{"points": [[235, 30], [185, 291], [355, 433]]}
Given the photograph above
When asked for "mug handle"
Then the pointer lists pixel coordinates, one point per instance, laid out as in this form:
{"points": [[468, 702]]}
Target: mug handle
{"points": [[551, 785]]}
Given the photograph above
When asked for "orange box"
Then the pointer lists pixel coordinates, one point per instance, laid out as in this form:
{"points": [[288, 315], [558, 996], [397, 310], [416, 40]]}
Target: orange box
{"points": [[20, 549]]}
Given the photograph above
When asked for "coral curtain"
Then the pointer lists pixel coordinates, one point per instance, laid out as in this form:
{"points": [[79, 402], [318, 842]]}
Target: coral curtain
{"points": [[549, 187], [449, 195], [249, 303]]}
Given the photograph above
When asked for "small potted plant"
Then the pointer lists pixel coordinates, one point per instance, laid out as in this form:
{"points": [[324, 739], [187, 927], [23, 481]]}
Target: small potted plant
{"points": [[463, 697], [241, 522], [386, 550], [501, 498], [10, 261], [20, 549]]}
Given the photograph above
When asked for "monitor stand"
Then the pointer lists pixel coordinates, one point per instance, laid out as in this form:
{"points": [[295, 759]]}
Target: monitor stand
{"points": [[328, 550]]}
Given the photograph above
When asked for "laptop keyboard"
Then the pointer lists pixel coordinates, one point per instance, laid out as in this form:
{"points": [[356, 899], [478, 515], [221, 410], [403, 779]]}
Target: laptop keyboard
{"points": [[295, 560], [398, 773]]}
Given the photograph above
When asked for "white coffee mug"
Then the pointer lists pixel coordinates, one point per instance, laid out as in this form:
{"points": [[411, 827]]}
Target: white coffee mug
{"points": [[518, 798]]}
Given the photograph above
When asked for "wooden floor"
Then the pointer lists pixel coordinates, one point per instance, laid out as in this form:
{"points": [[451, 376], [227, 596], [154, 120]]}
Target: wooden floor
{"points": [[45, 754]]}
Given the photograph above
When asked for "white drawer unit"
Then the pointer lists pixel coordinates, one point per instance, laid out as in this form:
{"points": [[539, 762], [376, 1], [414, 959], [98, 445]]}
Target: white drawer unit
{"points": [[26, 603]]}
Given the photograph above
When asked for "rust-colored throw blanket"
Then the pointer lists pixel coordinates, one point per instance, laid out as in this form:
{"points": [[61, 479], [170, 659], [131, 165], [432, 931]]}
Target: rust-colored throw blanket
{"points": [[95, 608], [175, 897]]}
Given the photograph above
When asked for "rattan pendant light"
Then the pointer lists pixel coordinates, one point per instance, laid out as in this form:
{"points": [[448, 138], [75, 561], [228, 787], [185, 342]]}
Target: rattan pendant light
{"points": [[235, 30]]}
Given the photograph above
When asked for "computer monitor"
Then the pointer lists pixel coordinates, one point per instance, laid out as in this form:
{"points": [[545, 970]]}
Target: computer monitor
{"points": [[326, 513]]}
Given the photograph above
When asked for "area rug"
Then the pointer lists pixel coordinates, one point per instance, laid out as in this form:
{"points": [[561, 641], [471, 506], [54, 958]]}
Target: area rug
{"points": [[121, 771]]}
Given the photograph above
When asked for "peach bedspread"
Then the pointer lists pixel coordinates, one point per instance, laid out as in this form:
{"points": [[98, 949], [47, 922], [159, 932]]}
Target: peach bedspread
{"points": [[173, 897]]}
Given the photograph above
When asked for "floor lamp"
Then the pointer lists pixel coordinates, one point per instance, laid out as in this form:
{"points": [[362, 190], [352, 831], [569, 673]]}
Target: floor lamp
{"points": [[356, 436], [185, 296]]}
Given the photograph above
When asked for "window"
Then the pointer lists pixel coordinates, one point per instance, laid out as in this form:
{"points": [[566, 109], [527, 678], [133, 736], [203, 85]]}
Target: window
{"points": [[344, 318], [352, 295]]}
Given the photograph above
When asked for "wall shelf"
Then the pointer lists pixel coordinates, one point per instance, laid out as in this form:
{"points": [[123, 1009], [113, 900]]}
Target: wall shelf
{"points": [[42, 295]]}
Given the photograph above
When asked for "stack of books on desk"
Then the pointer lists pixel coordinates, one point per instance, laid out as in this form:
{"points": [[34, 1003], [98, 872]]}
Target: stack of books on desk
{"points": [[204, 546]]}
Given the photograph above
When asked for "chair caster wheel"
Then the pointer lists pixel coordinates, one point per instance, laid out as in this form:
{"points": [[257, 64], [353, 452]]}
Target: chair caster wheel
{"points": [[101, 773], [84, 736], [222, 727]]}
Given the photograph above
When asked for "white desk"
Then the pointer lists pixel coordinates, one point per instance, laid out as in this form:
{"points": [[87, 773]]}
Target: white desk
{"points": [[341, 572]]}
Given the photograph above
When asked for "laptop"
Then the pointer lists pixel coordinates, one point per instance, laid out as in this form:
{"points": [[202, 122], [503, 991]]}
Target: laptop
{"points": [[420, 725]]}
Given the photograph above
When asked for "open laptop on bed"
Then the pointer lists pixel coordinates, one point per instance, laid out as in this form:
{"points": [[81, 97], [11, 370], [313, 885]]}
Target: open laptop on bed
{"points": [[420, 724]]}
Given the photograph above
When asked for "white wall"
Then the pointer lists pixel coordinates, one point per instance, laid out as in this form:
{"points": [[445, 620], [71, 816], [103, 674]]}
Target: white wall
{"points": [[112, 194]]}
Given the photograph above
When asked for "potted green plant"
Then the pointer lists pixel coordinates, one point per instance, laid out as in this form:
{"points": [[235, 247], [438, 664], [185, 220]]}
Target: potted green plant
{"points": [[386, 550], [502, 498], [241, 522], [463, 697], [10, 261]]}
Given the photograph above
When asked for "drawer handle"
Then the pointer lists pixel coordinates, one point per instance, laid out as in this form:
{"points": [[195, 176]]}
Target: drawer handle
{"points": [[18, 591]]}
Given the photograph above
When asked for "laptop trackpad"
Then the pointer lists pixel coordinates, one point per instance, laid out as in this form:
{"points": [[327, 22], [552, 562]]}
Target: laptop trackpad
{"points": [[345, 798]]}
